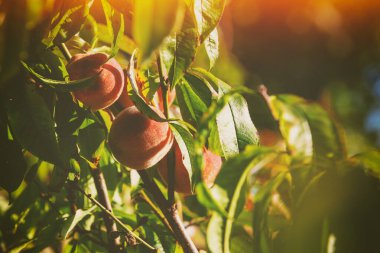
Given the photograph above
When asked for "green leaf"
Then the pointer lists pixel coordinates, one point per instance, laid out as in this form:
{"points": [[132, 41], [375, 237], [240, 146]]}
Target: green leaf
{"points": [[91, 141], [308, 131], [194, 98], [155, 233], [229, 192], [60, 175], [45, 62], [215, 233], [180, 49], [268, 188], [115, 26], [241, 241], [68, 21], [125, 44], [58, 178], [73, 220], [178, 248], [260, 213], [133, 92], [153, 20], [186, 144], [14, 36], [208, 14], [213, 140], [234, 173], [370, 161], [111, 172], [89, 31], [208, 200], [31, 123], [235, 127], [212, 47], [21, 246], [68, 118], [12, 165], [62, 86], [207, 125]]}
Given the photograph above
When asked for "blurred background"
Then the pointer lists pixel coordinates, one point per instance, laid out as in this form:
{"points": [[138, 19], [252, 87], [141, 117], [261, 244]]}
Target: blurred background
{"points": [[326, 50]]}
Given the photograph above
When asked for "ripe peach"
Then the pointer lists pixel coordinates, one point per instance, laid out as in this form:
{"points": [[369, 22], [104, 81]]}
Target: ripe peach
{"points": [[138, 141], [108, 84], [212, 166]]}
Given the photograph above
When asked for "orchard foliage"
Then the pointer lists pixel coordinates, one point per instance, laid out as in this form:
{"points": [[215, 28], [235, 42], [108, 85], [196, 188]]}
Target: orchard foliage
{"points": [[63, 189]]}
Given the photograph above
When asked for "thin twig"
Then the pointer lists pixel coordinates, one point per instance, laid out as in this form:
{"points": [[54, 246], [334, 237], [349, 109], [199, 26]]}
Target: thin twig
{"points": [[65, 51], [101, 188], [113, 217]]}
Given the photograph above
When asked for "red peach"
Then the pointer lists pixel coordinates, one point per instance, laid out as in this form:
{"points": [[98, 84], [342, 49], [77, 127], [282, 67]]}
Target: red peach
{"points": [[108, 84], [137, 141]]}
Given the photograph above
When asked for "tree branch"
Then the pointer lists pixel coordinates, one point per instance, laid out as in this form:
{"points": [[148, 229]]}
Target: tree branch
{"points": [[170, 212], [101, 188]]}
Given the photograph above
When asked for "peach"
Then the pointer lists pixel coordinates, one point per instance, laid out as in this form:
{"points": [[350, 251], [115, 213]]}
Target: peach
{"points": [[212, 166], [108, 85], [137, 141]]}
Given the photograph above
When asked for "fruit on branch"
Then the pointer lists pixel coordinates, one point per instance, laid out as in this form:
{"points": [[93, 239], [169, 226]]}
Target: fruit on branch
{"points": [[212, 166], [108, 85], [137, 141]]}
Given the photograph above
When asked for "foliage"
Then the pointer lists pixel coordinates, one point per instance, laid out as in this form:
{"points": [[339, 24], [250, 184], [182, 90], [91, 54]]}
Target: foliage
{"points": [[290, 197]]}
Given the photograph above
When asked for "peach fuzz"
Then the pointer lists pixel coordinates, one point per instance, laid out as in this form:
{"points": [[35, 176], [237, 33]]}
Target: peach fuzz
{"points": [[137, 141], [108, 85]]}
